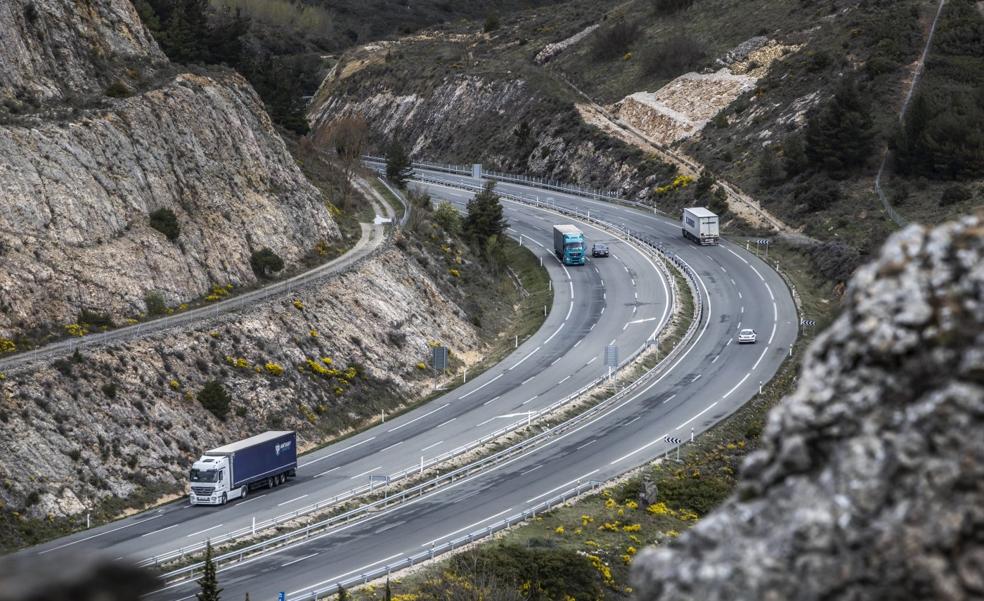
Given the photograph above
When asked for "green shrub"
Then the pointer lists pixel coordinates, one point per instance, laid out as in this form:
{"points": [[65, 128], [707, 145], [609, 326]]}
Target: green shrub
{"points": [[672, 57], [701, 494], [155, 304], [109, 390], [446, 216], [954, 194], [215, 399], [491, 24], [265, 262], [95, 319], [668, 7], [614, 41], [166, 222], [117, 89]]}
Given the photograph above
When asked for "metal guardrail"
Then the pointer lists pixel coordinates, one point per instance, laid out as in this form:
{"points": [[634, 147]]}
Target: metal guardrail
{"points": [[457, 543], [416, 491]]}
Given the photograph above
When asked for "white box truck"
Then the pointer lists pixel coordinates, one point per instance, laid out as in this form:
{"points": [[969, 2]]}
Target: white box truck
{"points": [[229, 472], [700, 225]]}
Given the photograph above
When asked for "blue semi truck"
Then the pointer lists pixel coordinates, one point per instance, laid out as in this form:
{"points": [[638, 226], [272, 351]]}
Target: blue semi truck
{"points": [[229, 472], [569, 244]]}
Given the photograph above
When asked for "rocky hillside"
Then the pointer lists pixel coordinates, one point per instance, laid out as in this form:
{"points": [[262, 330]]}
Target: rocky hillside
{"points": [[868, 485], [87, 165]]}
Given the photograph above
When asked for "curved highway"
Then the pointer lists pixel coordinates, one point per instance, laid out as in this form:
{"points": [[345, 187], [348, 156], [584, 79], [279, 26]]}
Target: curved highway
{"points": [[707, 383], [622, 300]]}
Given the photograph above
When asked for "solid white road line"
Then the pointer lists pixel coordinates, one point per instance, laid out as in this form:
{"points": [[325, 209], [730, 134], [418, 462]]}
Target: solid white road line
{"points": [[340, 576], [553, 490], [431, 446], [298, 560], [416, 419], [291, 501], [459, 530], [515, 365], [706, 409], [365, 473], [203, 531], [361, 442], [762, 356], [735, 387]]}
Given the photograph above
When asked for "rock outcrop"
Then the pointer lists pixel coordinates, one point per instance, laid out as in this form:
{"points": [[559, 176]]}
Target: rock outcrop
{"points": [[53, 48], [79, 178], [869, 483]]}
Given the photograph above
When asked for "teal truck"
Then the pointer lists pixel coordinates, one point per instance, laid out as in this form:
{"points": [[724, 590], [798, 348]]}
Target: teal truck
{"points": [[569, 244]]}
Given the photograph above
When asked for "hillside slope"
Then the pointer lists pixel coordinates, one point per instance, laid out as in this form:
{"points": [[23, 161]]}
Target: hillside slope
{"points": [[83, 172]]}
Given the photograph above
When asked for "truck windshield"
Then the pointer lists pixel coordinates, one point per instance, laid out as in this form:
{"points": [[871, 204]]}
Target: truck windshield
{"points": [[204, 475], [575, 246]]}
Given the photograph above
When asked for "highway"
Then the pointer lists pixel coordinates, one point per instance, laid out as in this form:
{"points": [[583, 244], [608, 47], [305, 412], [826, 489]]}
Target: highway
{"points": [[621, 300]]}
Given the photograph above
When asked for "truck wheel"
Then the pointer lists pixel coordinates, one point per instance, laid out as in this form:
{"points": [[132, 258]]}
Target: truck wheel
{"points": [[245, 490], [283, 478], [225, 499], [271, 482]]}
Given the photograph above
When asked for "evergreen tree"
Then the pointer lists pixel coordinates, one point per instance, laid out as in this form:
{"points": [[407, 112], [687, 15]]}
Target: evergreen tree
{"points": [[342, 593], [794, 160], [209, 581], [769, 171], [704, 185], [398, 167], [388, 593], [484, 218], [840, 137]]}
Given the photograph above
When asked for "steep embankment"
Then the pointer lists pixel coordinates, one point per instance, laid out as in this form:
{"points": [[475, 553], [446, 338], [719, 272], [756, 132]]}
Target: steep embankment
{"points": [[868, 484], [82, 173]]}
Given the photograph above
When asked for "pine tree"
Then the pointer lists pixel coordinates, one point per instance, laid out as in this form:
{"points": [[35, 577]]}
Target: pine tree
{"points": [[388, 595], [704, 185], [794, 159], [398, 166], [840, 137], [484, 218], [209, 581], [769, 171]]}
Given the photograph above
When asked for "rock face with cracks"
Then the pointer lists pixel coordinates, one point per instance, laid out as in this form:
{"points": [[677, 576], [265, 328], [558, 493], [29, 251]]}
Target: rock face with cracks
{"points": [[870, 482]]}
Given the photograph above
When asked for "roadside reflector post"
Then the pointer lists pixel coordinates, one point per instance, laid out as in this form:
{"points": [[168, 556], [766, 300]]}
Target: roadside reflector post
{"points": [[516, 345], [760, 386], [421, 464], [254, 525], [691, 433]]}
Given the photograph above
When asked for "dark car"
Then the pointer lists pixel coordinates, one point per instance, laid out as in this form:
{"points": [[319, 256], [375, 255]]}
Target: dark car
{"points": [[599, 250]]}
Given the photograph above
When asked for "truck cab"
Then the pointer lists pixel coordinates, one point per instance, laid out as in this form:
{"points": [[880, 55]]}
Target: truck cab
{"points": [[210, 484]]}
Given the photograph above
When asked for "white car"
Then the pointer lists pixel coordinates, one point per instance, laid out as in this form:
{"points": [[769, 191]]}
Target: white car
{"points": [[747, 336]]}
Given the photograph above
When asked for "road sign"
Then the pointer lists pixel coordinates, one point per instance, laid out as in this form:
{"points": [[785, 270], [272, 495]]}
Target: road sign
{"points": [[611, 355], [281, 596], [439, 358], [673, 440], [809, 323], [762, 242]]}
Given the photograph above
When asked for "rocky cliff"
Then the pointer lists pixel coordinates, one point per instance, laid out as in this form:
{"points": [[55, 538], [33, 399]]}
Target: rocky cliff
{"points": [[869, 482], [77, 187], [57, 48]]}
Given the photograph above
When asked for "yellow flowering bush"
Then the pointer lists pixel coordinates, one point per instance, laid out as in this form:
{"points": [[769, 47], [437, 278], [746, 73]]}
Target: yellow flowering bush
{"points": [[274, 369], [7, 346], [298, 304], [631, 528], [174, 384], [559, 530], [75, 329]]}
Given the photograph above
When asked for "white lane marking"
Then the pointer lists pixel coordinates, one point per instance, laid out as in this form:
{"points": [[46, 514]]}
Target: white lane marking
{"points": [[644, 320], [706, 409], [492, 400], [557, 331], [727, 343], [723, 269], [637, 296], [602, 313], [338, 451], [772, 296], [291, 501], [633, 282], [742, 310], [612, 342], [365, 473], [491, 419], [340, 576], [757, 272], [431, 446], [445, 423], [486, 384], [527, 380], [554, 362], [163, 529], [74, 542], [565, 379], [634, 309], [531, 470], [553, 490], [762, 356], [604, 296], [773, 334], [587, 443], [203, 531], [739, 295], [459, 530], [602, 283], [716, 357], [634, 419], [533, 398], [737, 255], [775, 311], [668, 399], [416, 419], [396, 444], [325, 472], [734, 283], [735, 387], [592, 361], [578, 342], [625, 326], [298, 560], [697, 377], [515, 365]]}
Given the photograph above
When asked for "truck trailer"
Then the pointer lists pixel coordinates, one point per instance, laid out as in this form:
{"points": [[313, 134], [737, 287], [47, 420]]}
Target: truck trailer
{"points": [[700, 225], [229, 472], [569, 244]]}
